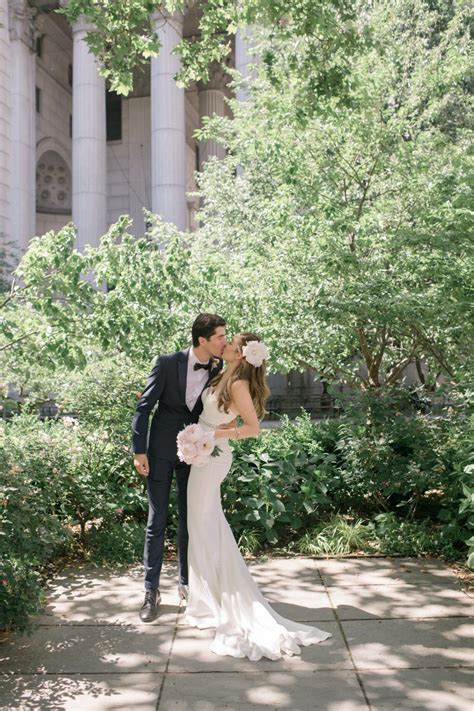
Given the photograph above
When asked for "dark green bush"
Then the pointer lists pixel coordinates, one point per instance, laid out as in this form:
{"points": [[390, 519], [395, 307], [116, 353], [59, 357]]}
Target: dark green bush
{"points": [[119, 543], [381, 456], [32, 530], [58, 480]]}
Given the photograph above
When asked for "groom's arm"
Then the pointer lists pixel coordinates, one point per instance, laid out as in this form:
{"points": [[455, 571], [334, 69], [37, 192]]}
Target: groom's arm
{"points": [[148, 399]]}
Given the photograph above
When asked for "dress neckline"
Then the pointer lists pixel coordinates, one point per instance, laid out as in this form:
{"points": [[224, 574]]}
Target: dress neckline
{"points": [[213, 392]]}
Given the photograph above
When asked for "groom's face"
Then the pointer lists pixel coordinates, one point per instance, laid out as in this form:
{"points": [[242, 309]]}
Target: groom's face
{"points": [[216, 343]]}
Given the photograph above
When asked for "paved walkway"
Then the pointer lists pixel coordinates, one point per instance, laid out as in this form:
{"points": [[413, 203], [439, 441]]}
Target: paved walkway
{"points": [[402, 639]]}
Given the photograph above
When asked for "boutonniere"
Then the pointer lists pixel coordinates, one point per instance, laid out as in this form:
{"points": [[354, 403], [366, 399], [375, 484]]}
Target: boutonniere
{"points": [[214, 362]]}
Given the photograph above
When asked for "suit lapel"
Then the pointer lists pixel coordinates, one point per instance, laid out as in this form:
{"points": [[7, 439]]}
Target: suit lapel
{"points": [[183, 373]]}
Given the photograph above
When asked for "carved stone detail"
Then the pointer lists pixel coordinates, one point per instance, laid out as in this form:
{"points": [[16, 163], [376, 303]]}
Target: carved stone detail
{"points": [[53, 184], [21, 21]]}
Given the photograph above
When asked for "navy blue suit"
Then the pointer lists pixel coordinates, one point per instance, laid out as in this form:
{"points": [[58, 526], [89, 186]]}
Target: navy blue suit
{"points": [[167, 386]]}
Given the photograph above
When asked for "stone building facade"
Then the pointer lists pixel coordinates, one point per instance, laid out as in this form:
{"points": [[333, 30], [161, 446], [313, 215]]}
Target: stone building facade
{"points": [[69, 149]]}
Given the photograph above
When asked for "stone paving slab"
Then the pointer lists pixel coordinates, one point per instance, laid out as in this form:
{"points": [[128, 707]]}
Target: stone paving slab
{"points": [[81, 692], [394, 644], [87, 649], [86, 576], [191, 654], [400, 601], [299, 593], [384, 571], [298, 691], [302, 571], [434, 689], [107, 606]]}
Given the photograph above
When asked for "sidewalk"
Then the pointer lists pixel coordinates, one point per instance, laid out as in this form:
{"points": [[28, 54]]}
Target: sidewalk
{"points": [[402, 639]]}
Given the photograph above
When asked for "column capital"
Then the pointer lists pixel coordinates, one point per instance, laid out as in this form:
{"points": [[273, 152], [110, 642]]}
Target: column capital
{"points": [[218, 78], [82, 24], [21, 21]]}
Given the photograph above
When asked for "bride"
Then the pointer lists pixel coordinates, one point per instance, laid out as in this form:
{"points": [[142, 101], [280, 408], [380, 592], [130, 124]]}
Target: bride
{"points": [[222, 593]]}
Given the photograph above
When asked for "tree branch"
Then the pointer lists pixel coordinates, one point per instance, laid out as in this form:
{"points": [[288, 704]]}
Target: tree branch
{"points": [[330, 376], [383, 342], [17, 340], [371, 366], [433, 350], [397, 369]]}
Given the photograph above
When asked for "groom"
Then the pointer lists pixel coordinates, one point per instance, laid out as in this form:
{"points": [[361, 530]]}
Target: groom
{"points": [[176, 383]]}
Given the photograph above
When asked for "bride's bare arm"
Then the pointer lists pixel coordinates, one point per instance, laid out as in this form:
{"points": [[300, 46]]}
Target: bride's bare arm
{"points": [[228, 425], [241, 403]]}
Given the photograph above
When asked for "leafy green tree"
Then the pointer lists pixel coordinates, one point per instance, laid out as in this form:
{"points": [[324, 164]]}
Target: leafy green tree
{"points": [[125, 297], [343, 226], [123, 34]]}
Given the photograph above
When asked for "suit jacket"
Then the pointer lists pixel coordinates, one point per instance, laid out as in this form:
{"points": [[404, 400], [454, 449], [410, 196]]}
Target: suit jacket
{"points": [[166, 385]]}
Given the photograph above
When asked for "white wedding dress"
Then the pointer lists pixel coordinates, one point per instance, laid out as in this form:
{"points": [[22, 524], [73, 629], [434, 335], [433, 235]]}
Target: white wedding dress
{"points": [[222, 593]]}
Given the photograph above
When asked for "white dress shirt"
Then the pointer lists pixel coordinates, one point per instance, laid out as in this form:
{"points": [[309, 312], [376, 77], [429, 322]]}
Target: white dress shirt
{"points": [[196, 379]]}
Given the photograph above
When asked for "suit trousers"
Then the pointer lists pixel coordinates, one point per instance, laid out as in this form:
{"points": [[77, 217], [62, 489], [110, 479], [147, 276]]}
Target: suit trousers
{"points": [[159, 485]]}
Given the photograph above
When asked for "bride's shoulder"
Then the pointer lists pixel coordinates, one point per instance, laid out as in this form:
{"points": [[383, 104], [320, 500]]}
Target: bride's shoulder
{"points": [[240, 385]]}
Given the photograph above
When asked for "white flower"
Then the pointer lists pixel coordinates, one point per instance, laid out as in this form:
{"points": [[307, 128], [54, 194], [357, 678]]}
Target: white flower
{"points": [[194, 433], [255, 352], [195, 445], [188, 450], [207, 443]]}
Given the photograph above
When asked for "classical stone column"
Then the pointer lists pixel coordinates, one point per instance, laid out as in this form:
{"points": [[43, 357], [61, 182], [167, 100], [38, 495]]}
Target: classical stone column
{"points": [[168, 125], [23, 124], [211, 103], [5, 123], [244, 57], [89, 189]]}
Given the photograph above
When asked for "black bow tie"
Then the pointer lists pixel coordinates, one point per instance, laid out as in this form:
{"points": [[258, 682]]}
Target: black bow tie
{"points": [[206, 366]]}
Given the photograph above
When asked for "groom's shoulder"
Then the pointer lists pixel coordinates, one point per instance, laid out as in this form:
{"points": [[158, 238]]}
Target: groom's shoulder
{"points": [[170, 357]]}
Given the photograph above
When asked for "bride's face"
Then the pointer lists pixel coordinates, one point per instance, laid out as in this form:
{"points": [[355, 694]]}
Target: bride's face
{"points": [[232, 351]]}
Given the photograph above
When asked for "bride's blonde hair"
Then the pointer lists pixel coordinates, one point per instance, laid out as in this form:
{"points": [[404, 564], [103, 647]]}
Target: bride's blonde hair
{"points": [[256, 378]]}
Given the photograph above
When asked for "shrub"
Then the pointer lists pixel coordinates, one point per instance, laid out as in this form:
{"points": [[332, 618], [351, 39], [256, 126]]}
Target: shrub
{"points": [[119, 543], [32, 530], [381, 456], [57, 478]]}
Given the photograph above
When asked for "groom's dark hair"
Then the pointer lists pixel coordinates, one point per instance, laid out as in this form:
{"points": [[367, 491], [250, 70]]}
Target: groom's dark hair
{"points": [[205, 325]]}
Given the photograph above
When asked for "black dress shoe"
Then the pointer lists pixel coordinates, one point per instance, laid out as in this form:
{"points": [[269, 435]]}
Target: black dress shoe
{"points": [[148, 610]]}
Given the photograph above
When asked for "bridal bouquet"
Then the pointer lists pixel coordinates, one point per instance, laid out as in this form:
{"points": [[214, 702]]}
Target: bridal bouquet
{"points": [[195, 445]]}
